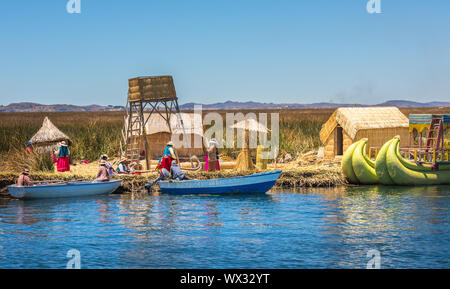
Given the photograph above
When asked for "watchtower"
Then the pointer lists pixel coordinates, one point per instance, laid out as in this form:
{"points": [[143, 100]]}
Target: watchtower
{"points": [[152, 94]]}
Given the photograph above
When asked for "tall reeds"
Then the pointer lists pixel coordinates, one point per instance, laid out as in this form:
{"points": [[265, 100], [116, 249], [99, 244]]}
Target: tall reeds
{"points": [[96, 133]]}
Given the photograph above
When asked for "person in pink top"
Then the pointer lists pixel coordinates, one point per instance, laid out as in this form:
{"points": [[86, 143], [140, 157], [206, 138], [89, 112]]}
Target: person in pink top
{"points": [[102, 173], [63, 163], [24, 179]]}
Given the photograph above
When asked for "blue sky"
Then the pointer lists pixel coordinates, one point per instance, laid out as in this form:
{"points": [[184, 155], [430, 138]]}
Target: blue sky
{"points": [[268, 51]]}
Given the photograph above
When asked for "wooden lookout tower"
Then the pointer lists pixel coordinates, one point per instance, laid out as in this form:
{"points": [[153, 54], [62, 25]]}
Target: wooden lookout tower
{"points": [[155, 94]]}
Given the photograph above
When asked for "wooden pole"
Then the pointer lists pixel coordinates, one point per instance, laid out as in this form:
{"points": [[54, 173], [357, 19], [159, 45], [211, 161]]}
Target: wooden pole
{"points": [[144, 135]]}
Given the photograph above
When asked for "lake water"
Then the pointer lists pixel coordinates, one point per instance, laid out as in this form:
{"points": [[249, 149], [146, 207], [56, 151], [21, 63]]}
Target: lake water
{"points": [[314, 228]]}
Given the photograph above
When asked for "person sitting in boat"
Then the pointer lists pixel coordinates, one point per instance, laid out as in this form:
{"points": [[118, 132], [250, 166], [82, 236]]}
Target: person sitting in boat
{"points": [[63, 164], [102, 173], [24, 180], [123, 167], [163, 174], [108, 165], [176, 173], [212, 157]]}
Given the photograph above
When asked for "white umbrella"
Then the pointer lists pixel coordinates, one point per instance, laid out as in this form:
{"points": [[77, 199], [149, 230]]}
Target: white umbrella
{"points": [[251, 125], [244, 162]]}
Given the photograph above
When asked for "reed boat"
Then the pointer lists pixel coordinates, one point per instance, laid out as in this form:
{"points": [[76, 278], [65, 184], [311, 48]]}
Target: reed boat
{"points": [[256, 183], [403, 172], [64, 190], [356, 165], [381, 165]]}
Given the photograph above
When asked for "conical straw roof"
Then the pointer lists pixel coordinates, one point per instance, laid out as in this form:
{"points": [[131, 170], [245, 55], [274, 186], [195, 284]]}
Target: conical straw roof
{"points": [[49, 133]]}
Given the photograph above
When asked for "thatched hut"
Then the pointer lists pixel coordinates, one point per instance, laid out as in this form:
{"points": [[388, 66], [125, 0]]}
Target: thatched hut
{"points": [[48, 137], [159, 134], [349, 124]]}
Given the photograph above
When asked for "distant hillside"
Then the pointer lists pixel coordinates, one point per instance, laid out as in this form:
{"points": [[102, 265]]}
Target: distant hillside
{"points": [[257, 105], [36, 107], [228, 105], [406, 103]]}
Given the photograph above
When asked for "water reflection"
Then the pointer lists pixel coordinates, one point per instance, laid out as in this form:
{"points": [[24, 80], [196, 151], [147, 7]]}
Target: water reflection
{"points": [[314, 228]]}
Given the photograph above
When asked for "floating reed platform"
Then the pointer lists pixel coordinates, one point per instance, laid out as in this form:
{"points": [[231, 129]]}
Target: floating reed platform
{"points": [[308, 176]]}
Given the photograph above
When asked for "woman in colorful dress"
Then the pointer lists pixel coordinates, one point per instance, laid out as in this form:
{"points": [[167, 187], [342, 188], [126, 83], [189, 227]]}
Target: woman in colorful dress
{"points": [[123, 167], [28, 148], [212, 157], [63, 164], [168, 156]]}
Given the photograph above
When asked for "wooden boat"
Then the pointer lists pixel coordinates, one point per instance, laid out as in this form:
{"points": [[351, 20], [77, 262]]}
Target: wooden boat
{"points": [[257, 183], [64, 190]]}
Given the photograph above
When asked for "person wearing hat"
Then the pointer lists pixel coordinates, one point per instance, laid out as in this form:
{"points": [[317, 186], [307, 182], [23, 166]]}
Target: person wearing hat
{"points": [[24, 179], [212, 157], [169, 151], [102, 172], [108, 165], [123, 167], [63, 163], [168, 156]]}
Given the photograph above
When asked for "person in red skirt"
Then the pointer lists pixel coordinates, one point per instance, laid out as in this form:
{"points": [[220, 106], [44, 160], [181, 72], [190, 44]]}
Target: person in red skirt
{"points": [[63, 164]]}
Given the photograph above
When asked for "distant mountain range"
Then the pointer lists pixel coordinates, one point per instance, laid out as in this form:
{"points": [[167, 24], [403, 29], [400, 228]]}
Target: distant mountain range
{"points": [[36, 107], [228, 105]]}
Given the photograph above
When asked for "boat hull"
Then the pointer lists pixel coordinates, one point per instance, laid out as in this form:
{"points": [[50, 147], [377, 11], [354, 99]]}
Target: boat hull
{"points": [[403, 172], [381, 165], [67, 190], [356, 165], [363, 167], [257, 183], [347, 167]]}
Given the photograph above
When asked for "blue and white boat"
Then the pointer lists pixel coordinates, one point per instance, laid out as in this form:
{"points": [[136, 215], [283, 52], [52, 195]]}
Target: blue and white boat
{"points": [[64, 190], [257, 183]]}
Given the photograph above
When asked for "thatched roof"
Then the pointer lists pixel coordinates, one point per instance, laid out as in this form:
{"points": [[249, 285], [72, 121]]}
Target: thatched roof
{"points": [[353, 119], [49, 133], [251, 125], [157, 124]]}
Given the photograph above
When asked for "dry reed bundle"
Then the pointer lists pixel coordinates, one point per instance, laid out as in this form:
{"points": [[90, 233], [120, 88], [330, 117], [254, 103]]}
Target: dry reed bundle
{"points": [[17, 161]]}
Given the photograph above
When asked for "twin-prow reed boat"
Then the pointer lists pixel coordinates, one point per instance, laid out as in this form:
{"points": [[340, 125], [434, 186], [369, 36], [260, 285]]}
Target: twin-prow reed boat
{"points": [[257, 183], [64, 190]]}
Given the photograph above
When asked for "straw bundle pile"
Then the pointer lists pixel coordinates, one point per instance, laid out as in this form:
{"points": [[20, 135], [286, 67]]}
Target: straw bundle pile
{"points": [[244, 162]]}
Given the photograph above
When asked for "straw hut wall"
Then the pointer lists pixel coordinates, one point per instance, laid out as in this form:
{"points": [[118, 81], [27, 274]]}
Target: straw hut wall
{"points": [[350, 124], [158, 134], [48, 137]]}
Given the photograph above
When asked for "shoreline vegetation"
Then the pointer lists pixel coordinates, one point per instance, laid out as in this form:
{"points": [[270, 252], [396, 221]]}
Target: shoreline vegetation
{"points": [[99, 133]]}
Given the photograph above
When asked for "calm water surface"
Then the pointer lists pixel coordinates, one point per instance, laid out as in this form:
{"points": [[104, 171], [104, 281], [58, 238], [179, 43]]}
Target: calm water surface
{"points": [[316, 228]]}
